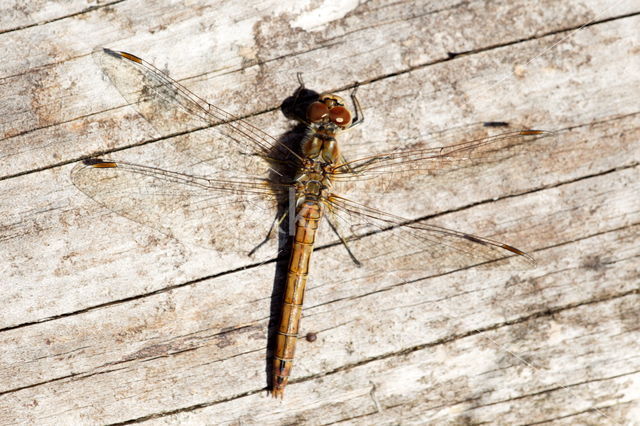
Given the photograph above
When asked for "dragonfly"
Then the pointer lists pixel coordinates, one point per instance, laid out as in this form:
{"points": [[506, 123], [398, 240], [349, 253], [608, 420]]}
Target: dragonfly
{"points": [[243, 177]]}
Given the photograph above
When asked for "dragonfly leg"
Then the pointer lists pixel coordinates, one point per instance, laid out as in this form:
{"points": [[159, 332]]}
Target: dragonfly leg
{"points": [[347, 166], [300, 80], [275, 225], [358, 116], [344, 242], [295, 106]]}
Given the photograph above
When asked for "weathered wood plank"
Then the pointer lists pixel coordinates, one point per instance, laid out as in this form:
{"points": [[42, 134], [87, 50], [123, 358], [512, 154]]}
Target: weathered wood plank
{"points": [[63, 97], [104, 320], [179, 339], [473, 379], [62, 215]]}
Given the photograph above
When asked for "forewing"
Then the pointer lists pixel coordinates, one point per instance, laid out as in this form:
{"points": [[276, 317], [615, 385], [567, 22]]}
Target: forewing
{"points": [[224, 184], [418, 159], [173, 109]]}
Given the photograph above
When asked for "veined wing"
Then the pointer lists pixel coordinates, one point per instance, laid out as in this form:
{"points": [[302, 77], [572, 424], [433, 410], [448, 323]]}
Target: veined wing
{"points": [[434, 160], [173, 109], [227, 175], [229, 214], [379, 238]]}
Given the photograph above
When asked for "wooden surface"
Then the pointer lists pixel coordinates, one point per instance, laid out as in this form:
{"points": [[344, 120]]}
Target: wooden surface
{"points": [[107, 321]]}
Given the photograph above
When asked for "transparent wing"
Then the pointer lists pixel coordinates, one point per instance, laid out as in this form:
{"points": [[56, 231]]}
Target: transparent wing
{"points": [[173, 109], [226, 176], [380, 239], [391, 179], [226, 214], [412, 161]]}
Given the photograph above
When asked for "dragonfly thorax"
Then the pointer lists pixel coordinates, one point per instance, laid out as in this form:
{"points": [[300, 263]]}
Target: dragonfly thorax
{"points": [[313, 181], [321, 146]]}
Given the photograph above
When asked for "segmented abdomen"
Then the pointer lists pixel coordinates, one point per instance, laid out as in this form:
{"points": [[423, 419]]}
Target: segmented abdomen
{"points": [[307, 222]]}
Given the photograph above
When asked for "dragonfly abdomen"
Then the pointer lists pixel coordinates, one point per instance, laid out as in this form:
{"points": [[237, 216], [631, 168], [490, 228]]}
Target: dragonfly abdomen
{"points": [[307, 221]]}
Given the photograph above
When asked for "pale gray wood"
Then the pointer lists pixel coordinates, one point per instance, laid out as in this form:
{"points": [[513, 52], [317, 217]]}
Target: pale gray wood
{"points": [[104, 320]]}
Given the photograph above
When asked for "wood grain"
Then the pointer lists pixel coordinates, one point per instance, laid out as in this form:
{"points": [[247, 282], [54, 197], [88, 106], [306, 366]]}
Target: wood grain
{"points": [[107, 321]]}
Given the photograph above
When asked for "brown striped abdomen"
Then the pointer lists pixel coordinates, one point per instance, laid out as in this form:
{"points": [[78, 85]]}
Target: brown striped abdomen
{"points": [[307, 222]]}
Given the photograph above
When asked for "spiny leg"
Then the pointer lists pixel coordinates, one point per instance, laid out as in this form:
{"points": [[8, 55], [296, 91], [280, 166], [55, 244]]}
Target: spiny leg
{"points": [[343, 241], [274, 225], [358, 116]]}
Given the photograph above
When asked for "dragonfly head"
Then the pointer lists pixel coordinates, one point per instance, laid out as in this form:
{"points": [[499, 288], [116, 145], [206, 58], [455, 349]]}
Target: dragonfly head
{"points": [[329, 109]]}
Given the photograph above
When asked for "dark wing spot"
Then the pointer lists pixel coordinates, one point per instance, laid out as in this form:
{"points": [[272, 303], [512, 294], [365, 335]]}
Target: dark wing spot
{"points": [[495, 124], [474, 239]]}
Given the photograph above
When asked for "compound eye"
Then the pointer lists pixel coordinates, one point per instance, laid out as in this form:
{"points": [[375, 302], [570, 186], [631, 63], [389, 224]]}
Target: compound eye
{"points": [[340, 116], [317, 111]]}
